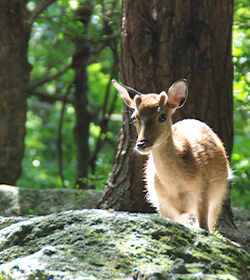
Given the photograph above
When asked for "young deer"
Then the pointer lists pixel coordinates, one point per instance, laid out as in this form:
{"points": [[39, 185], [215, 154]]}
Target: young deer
{"points": [[187, 168]]}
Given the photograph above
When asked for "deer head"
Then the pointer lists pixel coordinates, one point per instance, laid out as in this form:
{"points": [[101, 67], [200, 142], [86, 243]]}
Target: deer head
{"points": [[152, 113]]}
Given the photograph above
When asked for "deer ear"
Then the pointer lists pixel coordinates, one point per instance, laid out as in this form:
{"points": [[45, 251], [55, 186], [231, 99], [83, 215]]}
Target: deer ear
{"points": [[163, 98], [127, 93], [138, 100], [177, 94]]}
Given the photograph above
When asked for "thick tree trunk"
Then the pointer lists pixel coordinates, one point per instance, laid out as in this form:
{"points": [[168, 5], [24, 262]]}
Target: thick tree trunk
{"points": [[163, 41], [14, 77]]}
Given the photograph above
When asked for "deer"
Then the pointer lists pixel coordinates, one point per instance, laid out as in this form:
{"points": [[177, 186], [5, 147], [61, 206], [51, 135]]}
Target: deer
{"points": [[187, 170]]}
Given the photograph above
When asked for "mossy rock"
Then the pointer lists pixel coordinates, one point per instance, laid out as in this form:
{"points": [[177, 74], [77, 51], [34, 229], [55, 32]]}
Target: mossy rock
{"points": [[101, 244]]}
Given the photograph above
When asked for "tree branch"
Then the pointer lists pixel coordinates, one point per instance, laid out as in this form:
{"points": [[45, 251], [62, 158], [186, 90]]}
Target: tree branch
{"points": [[60, 139], [48, 78], [44, 96], [40, 8], [105, 115]]}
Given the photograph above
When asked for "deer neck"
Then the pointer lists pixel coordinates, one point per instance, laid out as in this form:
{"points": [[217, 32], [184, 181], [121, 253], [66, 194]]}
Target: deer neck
{"points": [[166, 160]]}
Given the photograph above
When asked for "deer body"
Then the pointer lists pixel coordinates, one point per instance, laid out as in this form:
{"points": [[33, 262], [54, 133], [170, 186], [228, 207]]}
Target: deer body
{"points": [[187, 169]]}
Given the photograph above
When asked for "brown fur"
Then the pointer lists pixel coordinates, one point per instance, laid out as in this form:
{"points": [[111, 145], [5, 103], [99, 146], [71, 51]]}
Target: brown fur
{"points": [[187, 169]]}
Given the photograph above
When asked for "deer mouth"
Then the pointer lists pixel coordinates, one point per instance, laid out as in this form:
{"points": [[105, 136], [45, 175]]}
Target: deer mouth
{"points": [[143, 147]]}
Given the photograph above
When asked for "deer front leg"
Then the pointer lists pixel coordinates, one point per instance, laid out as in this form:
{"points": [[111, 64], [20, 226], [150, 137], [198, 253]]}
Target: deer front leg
{"points": [[202, 211], [217, 193]]}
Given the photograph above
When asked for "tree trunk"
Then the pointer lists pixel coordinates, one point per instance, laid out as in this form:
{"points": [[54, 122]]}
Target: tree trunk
{"points": [[14, 77], [81, 60], [163, 41]]}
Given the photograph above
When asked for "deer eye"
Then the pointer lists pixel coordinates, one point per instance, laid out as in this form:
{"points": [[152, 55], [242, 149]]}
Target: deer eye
{"points": [[162, 118], [132, 120]]}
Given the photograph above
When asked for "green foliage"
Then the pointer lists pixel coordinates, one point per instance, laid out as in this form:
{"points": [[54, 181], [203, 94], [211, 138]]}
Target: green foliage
{"points": [[40, 165], [241, 151], [50, 53]]}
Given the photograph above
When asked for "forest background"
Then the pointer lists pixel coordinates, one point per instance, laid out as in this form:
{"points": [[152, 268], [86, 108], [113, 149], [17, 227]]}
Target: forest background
{"points": [[89, 31]]}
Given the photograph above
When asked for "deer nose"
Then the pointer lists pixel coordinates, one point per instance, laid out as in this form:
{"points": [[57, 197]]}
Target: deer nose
{"points": [[142, 145]]}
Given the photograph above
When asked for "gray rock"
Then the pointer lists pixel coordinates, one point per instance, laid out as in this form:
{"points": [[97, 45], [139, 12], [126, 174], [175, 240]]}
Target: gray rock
{"points": [[24, 201], [242, 217], [100, 244]]}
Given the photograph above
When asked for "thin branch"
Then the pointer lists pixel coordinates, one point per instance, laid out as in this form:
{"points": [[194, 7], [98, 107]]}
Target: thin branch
{"points": [[44, 4], [71, 32], [105, 119], [59, 138], [44, 96], [112, 75], [48, 78]]}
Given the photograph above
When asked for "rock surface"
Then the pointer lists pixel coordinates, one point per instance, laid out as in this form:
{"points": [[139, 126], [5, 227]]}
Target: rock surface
{"points": [[15, 201], [100, 244]]}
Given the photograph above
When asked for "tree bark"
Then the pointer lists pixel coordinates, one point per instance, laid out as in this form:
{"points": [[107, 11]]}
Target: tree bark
{"points": [[163, 41], [14, 77]]}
